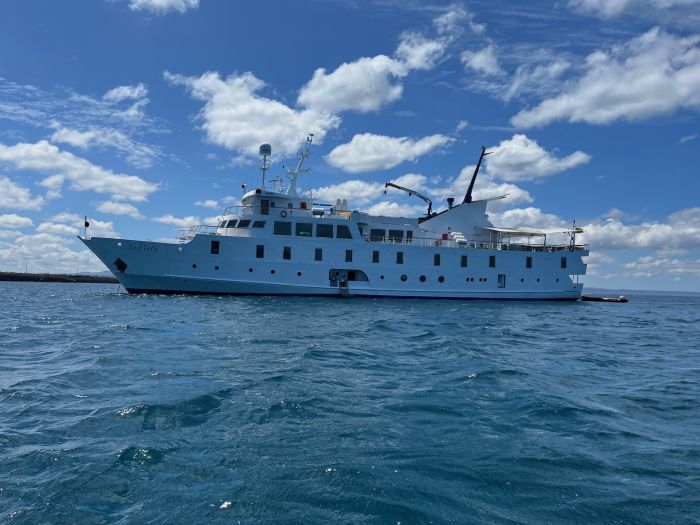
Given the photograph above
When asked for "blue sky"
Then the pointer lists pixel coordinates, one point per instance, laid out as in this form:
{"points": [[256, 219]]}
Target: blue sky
{"points": [[146, 115]]}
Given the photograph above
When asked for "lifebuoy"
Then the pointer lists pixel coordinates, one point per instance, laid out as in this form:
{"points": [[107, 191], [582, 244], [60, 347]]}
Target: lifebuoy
{"points": [[438, 243], [283, 213]]}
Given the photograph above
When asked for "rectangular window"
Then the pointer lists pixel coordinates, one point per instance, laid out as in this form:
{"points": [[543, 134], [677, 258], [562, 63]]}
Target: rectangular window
{"points": [[563, 262], [343, 232], [290, 205], [260, 251], [303, 229], [501, 280], [287, 253], [375, 256], [436, 259], [348, 255], [395, 235], [318, 255], [231, 224], [244, 224], [259, 224], [399, 257], [324, 230], [528, 262], [264, 206], [492, 261], [376, 234], [282, 228], [464, 262], [214, 247], [409, 236]]}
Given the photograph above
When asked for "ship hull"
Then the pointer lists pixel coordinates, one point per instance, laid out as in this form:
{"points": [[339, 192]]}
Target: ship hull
{"points": [[145, 267]]}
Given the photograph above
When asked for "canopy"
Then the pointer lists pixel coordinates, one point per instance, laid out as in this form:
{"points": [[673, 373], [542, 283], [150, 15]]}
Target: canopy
{"points": [[527, 232]]}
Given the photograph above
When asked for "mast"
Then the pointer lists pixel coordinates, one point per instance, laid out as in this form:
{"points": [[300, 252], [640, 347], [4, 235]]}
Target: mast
{"points": [[265, 151], [468, 196], [293, 174]]}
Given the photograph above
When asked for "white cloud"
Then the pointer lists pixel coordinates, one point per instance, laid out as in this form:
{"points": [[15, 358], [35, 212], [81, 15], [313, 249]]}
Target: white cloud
{"points": [[651, 75], [484, 61], [417, 52], [74, 223], [529, 216], [688, 138], [83, 175], [161, 7], [650, 266], [14, 196], [120, 93], [453, 21], [521, 158], [368, 152], [137, 154], [237, 118], [56, 228], [12, 220], [358, 191], [364, 85], [394, 209], [119, 208], [180, 222], [538, 78], [47, 252], [209, 203], [611, 8]]}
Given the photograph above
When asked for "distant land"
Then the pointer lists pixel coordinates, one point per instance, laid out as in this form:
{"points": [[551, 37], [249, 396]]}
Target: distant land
{"points": [[56, 277]]}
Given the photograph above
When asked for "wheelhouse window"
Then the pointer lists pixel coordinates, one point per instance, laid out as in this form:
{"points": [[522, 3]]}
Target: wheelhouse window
{"points": [[492, 261], [324, 230], [259, 224], [318, 254], [232, 224], [260, 251], [395, 235], [264, 206], [464, 261], [282, 228], [563, 262], [214, 247], [287, 253], [436, 259], [244, 223], [348, 255], [399, 257], [528, 262], [375, 256], [343, 232], [303, 229], [375, 234]]}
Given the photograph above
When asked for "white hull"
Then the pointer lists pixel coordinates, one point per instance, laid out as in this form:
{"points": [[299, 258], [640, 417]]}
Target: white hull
{"points": [[191, 268]]}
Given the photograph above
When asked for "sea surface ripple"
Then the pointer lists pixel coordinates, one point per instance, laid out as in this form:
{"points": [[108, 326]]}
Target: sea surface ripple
{"points": [[153, 409]]}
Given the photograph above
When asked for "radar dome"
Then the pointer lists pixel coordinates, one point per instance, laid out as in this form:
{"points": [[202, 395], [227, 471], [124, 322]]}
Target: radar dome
{"points": [[265, 150]]}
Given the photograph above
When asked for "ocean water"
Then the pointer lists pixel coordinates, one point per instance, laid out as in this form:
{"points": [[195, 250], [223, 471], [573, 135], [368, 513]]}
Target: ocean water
{"points": [[152, 409]]}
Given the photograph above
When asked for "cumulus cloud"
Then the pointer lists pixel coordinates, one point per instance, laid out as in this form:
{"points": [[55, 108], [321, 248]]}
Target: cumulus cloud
{"points": [[417, 52], [121, 93], [82, 174], [119, 208], [180, 222], [47, 252], [237, 118], [368, 152], [209, 203], [394, 209], [161, 7], [12, 220], [651, 75], [74, 223], [14, 196], [521, 158], [529, 216], [359, 192], [484, 61]]}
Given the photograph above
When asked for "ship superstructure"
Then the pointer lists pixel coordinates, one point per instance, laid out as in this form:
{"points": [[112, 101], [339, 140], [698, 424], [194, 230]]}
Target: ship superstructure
{"points": [[280, 242]]}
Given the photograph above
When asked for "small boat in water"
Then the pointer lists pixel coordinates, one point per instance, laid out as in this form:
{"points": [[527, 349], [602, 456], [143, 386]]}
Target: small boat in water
{"points": [[618, 299]]}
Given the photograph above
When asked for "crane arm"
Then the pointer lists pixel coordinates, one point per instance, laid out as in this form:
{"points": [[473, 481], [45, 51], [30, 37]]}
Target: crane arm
{"points": [[412, 192]]}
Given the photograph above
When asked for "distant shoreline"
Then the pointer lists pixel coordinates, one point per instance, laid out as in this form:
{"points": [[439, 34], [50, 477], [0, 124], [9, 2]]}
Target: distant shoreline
{"points": [[56, 278]]}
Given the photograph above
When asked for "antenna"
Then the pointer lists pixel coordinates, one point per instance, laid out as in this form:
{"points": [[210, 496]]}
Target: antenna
{"points": [[468, 196], [265, 151], [293, 174]]}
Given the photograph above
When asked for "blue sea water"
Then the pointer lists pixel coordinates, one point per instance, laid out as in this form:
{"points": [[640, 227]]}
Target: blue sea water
{"points": [[153, 409]]}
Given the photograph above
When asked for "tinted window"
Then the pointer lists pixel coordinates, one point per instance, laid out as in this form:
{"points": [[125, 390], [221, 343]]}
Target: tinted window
{"points": [[436, 259], [343, 232], [528, 262], [399, 257], [375, 256], [260, 251], [303, 229], [282, 228], [396, 235], [244, 224], [376, 234], [464, 262], [259, 224], [492, 261], [214, 247], [232, 224], [324, 230], [563, 262], [348, 255], [319, 254], [287, 252]]}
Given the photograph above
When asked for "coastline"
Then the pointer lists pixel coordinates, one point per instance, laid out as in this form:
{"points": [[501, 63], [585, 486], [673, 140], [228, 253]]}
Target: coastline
{"points": [[56, 278]]}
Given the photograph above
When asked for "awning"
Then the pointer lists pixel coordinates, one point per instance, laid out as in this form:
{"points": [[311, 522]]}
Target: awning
{"points": [[526, 232]]}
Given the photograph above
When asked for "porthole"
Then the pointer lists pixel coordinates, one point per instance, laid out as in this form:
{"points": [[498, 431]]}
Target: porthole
{"points": [[538, 279], [250, 269], [272, 272], [298, 274], [422, 278], [557, 279], [441, 279], [381, 277], [194, 266], [216, 267], [481, 279], [522, 280], [404, 277]]}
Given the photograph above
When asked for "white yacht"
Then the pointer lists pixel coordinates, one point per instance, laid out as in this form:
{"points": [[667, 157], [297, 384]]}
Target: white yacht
{"points": [[281, 242]]}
